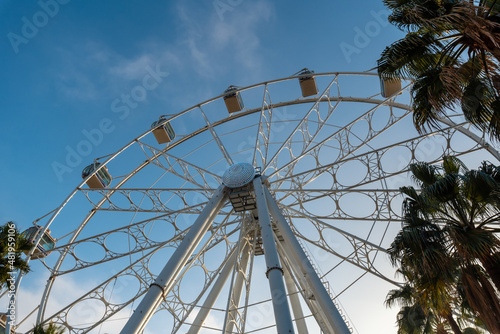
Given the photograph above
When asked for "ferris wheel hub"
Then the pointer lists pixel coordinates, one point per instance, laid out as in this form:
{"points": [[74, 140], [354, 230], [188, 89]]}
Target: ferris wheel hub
{"points": [[238, 175]]}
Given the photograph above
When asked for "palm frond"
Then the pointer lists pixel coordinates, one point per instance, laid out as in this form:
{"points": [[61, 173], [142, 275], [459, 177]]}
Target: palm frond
{"points": [[409, 56], [424, 174], [478, 187], [476, 102]]}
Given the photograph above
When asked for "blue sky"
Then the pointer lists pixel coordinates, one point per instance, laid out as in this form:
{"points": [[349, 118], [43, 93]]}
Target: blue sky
{"points": [[63, 77], [69, 69]]}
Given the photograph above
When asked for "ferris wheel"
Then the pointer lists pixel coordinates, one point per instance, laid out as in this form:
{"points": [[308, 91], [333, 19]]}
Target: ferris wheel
{"points": [[267, 208]]}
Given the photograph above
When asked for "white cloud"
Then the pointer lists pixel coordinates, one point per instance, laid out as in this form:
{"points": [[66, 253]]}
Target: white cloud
{"points": [[64, 292], [233, 42], [91, 71], [132, 69], [204, 46]]}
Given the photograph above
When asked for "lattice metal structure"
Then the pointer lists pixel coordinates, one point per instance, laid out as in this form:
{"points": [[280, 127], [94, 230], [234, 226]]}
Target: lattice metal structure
{"points": [[300, 244]]}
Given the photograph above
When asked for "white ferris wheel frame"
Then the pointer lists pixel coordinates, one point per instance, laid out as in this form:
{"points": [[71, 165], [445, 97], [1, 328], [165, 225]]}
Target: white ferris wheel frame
{"points": [[362, 248]]}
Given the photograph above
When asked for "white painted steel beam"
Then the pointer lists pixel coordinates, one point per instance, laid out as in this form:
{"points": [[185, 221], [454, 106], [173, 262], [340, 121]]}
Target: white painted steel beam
{"points": [[335, 321], [163, 284], [274, 271], [293, 295], [213, 295], [236, 289]]}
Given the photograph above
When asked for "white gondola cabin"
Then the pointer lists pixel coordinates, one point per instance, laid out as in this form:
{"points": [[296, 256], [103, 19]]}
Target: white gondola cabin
{"points": [[101, 179], [308, 83], [46, 244], [233, 99], [163, 131], [389, 87]]}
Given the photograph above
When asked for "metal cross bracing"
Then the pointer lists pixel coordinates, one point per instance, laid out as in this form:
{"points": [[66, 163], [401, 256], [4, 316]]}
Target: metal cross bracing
{"points": [[189, 172], [325, 312], [321, 154], [263, 131], [140, 270], [341, 136], [235, 316], [142, 241], [166, 201], [359, 252], [371, 160]]}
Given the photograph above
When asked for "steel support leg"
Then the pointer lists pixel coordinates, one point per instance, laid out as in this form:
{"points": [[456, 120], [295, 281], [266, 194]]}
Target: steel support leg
{"points": [[333, 317], [163, 284], [293, 295], [236, 290], [274, 271], [213, 295]]}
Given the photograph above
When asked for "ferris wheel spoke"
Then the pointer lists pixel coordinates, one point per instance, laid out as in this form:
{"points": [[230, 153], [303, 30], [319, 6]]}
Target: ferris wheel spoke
{"points": [[136, 232], [263, 130], [96, 297], [170, 162], [343, 137], [217, 139], [302, 127], [311, 145], [158, 199], [141, 240], [375, 203], [194, 209], [360, 251], [139, 269], [371, 160]]}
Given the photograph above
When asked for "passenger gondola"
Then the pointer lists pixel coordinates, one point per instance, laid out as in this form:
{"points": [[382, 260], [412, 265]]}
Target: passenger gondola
{"points": [[46, 244], [389, 87], [233, 99], [308, 83], [163, 131], [101, 179]]}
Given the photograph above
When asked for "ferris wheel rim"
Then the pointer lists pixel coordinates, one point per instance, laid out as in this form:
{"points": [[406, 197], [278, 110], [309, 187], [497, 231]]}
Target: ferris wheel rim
{"points": [[227, 119], [387, 101]]}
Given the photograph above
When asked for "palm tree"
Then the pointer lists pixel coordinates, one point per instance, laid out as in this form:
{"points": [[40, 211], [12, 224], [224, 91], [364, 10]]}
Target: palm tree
{"points": [[12, 245], [466, 205], [419, 251], [413, 318], [51, 328], [452, 52], [449, 237]]}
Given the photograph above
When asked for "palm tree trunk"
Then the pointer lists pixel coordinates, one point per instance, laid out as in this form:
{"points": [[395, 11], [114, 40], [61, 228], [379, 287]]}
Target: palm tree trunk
{"points": [[481, 297], [453, 324], [491, 264]]}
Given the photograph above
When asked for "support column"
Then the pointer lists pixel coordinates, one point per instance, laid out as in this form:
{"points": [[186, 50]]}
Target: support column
{"points": [[163, 284], [274, 271], [332, 315], [212, 296], [236, 289], [293, 295]]}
